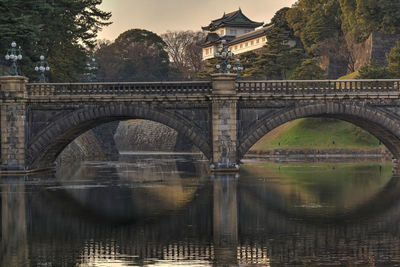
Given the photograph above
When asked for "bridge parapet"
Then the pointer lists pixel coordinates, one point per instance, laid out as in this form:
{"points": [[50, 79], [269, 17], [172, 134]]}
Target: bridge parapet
{"points": [[119, 89], [293, 87]]}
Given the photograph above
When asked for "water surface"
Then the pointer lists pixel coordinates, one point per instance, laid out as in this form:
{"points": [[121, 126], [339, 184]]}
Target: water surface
{"points": [[167, 210]]}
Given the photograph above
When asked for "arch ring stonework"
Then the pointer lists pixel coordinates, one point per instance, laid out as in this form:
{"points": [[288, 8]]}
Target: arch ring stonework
{"points": [[382, 124]]}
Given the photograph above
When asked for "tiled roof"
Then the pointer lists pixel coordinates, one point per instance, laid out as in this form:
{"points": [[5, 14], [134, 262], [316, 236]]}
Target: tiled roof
{"points": [[213, 38], [234, 19]]}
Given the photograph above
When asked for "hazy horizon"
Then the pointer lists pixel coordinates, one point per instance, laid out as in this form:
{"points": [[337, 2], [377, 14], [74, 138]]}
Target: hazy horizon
{"points": [[160, 16]]}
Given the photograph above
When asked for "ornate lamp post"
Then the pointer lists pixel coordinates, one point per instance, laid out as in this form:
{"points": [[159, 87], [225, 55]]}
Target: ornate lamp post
{"points": [[225, 57], [238, 67], [42, 67], [92, 67], [12, 55]]}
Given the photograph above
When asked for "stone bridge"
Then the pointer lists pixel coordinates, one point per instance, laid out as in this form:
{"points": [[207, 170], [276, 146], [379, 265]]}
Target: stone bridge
{"points": [[222, 117]]}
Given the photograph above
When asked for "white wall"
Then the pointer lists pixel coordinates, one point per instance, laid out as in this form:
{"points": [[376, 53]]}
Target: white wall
{"points": [[249, 45], [208, 52]]}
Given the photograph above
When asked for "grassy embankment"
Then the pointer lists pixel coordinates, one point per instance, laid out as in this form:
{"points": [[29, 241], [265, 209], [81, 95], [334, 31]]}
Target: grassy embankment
{"points": [[318, 133]]}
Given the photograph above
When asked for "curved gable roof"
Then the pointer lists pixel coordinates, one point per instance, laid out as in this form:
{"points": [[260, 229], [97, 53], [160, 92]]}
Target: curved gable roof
{"points": [[235, 18]]}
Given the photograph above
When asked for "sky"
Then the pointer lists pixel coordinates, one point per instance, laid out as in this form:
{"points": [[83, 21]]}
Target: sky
{"points": [[159, 16]]}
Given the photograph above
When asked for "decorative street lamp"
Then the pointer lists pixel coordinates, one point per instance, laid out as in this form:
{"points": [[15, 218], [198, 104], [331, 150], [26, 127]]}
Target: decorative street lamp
{"points": [[238, 67], [42, 67], [225, 57], [92, 67], [12, 55]]}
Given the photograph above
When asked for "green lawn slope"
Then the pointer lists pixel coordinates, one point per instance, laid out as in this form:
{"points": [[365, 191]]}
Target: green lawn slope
{"points": [[317, 133], [350, 76]]}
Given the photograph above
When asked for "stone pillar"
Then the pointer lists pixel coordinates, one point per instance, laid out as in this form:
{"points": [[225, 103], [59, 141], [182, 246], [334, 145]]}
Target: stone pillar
{"points": [[13, 123], [224, 122]]}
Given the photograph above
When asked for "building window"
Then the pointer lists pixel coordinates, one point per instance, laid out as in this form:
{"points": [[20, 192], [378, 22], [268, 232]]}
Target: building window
{"points": [[247, 44], [233, 31], [252, 42], [241, 45], [236, 47], [258, 40], [263, 39]]}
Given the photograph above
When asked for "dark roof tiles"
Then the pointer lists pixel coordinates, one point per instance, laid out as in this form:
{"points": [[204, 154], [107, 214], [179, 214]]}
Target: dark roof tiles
{"points": [[236, 19]]}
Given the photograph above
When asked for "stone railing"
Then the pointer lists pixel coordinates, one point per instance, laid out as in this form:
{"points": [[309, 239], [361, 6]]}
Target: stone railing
{"points": [[287, 87], [317, 86], [119, 89]]}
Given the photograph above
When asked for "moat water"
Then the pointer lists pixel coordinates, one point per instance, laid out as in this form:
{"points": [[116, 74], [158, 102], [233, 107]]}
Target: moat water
{"points": [[167, 210]]}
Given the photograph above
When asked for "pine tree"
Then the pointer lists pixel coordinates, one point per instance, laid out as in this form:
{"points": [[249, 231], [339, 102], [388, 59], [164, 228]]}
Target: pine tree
{"points": [[309, 70], [374, 71], [63, 31], [282, 54], [394, 61]]}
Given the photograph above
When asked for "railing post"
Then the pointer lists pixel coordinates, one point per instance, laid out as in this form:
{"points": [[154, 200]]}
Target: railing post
{"points": [[13, 123], [224, 122]]}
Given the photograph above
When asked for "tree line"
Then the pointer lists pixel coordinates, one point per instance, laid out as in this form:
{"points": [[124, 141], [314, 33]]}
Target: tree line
{"points": [[62, 30], [65, 31], [330, 28], [141, 55]]}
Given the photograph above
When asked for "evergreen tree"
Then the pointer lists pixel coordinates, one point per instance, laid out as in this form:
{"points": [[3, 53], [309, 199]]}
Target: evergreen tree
{"points": [[374, 71], [314, 21], [309, 70], [63, 31], [394, 61], [362, 17], [207, 69], [282, 54], [136, 55]]}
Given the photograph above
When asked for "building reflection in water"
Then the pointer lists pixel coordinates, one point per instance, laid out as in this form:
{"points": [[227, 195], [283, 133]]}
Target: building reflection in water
{"points": [[116, 212]]}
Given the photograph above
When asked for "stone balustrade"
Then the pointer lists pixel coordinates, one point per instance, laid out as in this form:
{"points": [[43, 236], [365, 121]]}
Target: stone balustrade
{"points": [[119, 89], [292, 87], [286, 87]]}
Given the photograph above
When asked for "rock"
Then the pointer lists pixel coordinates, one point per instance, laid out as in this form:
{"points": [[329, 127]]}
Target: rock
{"points": [[105, 136], [141, 135], [134, 135], [86, 146]]}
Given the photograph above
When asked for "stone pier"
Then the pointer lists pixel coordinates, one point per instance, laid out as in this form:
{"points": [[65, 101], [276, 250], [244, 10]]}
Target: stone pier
{"points": [[224, 123], [13, 123]]}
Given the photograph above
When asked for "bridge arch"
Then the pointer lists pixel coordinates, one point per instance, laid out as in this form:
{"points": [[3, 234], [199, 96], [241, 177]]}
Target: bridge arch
{"points": [[383, 125], [49, 143]]}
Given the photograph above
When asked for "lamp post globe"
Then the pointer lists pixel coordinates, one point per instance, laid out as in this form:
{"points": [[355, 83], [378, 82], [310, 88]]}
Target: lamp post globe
{"points": [[13, 54], [42, 67], [224, 57], [91, 66], [238, 67]]}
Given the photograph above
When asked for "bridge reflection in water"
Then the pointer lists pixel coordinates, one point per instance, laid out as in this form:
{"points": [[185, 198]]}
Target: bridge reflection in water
{"points": [[130, 212]]}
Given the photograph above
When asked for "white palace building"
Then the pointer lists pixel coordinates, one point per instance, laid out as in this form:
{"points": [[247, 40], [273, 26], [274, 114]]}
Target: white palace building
{"points": [[241, 34]]}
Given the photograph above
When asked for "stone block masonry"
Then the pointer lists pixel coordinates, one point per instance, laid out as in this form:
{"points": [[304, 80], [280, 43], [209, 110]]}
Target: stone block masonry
{"points": [[13, 124], [224, 122], [222, 117], [224, 132]]}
